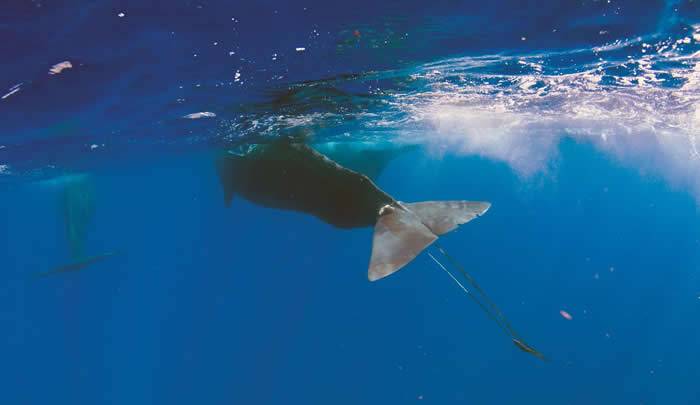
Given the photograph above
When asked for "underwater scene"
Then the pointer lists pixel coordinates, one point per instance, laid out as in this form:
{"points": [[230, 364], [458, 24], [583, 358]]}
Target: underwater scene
{"points": [[350, 202]]}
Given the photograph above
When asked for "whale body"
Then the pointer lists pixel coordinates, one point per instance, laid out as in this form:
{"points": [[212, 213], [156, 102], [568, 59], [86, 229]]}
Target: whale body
{"points": [[292, 175]]}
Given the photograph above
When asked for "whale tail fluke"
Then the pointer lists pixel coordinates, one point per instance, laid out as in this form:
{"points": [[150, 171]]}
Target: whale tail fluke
{"points": [[404, 230], [444, 216], [78, 264]]}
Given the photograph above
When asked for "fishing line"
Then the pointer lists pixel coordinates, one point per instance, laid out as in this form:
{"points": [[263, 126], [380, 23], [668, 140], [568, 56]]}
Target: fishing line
{"points": [[494, 308], [489, 307], [472, 296]]}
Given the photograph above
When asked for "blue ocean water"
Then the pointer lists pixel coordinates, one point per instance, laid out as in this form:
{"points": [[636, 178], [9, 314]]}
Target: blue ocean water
{"points": [[577, 121]]}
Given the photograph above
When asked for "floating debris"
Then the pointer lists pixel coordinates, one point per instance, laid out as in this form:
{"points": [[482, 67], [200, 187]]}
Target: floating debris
{"points": [[4, 169], [10, 93], [237, 76], [14, 89], [565, 315], [60, 67], [300, 49], [121, 15], [198, 115]]}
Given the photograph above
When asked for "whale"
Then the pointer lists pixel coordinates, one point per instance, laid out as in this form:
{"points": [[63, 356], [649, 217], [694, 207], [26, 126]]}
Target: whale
{"points": [[289, 174], [76, 205]]}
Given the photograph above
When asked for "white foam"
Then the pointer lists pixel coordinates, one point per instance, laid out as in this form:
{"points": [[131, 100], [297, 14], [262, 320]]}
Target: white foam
{"points": [[521, 118]]}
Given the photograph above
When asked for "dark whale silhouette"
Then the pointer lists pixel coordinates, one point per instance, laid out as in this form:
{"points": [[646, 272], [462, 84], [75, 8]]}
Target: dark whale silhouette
{"points": [[77, 204], [288, 174]]}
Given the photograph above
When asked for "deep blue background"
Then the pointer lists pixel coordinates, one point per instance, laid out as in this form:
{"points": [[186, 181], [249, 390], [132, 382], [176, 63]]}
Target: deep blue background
{"points": [[246, 305], [252, 305]]}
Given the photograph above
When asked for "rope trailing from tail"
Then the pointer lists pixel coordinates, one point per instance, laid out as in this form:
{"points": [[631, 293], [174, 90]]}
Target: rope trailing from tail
{"points": [[477, 294]]}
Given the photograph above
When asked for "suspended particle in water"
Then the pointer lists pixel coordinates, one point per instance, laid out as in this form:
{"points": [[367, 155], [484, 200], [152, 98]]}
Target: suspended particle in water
{"points": [[60, 67], [566, 315]]}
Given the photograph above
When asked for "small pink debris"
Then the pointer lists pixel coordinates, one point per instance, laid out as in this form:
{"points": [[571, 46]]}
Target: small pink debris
{"points": [[566, 315], [60, 67]]}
